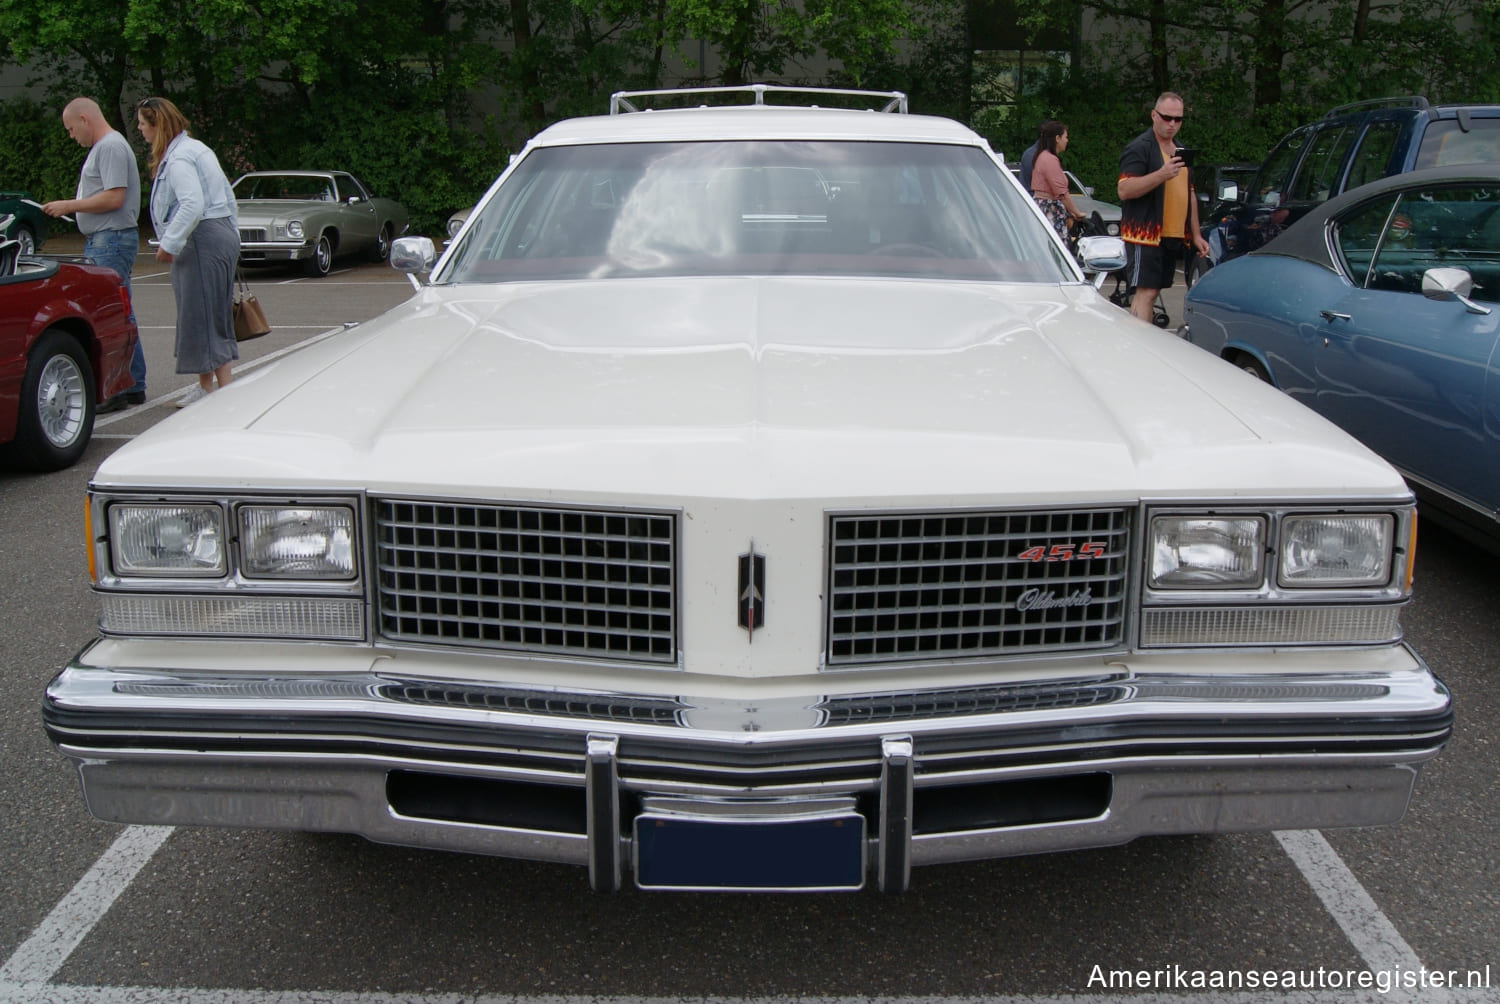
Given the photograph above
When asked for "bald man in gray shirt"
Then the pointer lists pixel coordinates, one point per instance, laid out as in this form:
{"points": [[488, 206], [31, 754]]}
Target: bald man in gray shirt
{"points": [[106, 208]]}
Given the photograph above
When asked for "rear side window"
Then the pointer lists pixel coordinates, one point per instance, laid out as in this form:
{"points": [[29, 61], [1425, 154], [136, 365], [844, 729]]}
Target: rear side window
{"points": [[1445, 143], [1358, 235], [1373, 157], [1320, 168]]}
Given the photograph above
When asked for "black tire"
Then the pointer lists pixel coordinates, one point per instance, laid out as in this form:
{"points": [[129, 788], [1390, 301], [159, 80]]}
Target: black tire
{"points": [[321, 262], [382, 249], [56, 415], [1251, 365], [26, 238]]}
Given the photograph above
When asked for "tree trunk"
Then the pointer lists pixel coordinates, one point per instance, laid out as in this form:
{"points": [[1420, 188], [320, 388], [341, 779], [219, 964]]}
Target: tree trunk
{"points": [[533, 107], [1270, 52], [1161, 76]]}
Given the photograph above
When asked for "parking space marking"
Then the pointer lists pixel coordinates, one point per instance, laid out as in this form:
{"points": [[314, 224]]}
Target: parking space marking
{"points": [[23, 978], [107, 420], [1367, 928], [70, 921]]}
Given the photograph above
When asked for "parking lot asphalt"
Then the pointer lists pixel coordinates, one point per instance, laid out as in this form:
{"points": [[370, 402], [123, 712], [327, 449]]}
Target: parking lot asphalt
{"points": [[101, 913]]}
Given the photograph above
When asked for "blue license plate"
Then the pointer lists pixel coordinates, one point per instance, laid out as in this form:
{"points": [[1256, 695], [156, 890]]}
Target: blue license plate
{"points": [[738, 853]]}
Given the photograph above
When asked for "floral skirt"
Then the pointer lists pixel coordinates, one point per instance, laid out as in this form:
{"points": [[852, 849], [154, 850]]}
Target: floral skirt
{"points": [[1056, 213]]}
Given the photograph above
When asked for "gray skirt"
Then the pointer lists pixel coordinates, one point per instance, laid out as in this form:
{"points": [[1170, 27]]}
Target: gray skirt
{"points": [[203, 285]]}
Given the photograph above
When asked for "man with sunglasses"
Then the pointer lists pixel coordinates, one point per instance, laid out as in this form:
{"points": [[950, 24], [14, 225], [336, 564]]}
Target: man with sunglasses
{"points": [[1158, 213]]}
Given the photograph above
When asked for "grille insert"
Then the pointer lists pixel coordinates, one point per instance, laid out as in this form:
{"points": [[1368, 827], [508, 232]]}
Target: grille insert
{"points": [[946, 585], [981, 701], [600, 707], [247, 234], [596, 583]]}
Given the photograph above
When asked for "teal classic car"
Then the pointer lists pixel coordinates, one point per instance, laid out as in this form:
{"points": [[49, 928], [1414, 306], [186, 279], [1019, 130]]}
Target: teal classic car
{"points": [[22, 221], [312, 217]]}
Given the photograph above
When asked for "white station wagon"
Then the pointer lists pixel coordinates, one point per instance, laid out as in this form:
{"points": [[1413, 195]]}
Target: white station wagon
{"points": [[752, 497]]}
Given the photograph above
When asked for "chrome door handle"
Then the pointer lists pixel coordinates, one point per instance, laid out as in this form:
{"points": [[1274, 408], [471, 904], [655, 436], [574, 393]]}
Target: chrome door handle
{"points": [[1334, 315]]}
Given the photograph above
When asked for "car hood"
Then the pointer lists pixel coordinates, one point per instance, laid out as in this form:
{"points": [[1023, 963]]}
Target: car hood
{"points": [[258, 210], [756, 388]]}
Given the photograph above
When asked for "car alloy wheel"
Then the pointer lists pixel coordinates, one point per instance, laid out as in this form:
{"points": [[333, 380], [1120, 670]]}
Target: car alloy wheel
{"points": [[56, 416]]}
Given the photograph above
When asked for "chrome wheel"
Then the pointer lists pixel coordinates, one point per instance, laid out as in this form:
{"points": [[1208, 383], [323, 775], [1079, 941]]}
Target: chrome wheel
{"points": [[382, 249], [26, 239], [321, 261], [61, 401]]}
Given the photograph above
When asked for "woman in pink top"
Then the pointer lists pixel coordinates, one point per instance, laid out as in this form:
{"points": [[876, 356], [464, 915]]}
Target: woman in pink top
{"points": [[1049, 186]]}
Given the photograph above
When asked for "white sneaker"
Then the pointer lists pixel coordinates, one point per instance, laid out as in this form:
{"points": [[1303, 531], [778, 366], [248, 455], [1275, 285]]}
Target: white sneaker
{"points": [[194, 394]]}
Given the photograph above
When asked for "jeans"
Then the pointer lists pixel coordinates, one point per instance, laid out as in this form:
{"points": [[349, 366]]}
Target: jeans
{"points": [[117, 249]]}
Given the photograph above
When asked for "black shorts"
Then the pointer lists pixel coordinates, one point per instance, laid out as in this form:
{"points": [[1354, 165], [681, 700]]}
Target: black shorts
{"points": [[1148, 267]]}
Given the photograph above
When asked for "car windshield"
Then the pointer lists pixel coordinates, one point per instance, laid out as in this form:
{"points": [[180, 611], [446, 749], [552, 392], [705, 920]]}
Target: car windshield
{"points": [[294, 187], [757, 207]]}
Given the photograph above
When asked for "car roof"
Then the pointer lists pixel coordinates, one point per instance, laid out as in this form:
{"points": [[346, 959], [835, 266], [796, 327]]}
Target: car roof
{"points": [[747, 122], [1304, 238]]}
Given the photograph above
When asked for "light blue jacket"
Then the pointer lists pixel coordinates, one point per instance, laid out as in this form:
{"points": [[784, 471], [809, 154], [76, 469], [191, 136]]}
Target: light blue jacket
{"points": [[190, 186]]}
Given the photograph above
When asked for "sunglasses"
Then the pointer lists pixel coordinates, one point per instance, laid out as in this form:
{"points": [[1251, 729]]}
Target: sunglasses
{"points": [[1167, 118]]}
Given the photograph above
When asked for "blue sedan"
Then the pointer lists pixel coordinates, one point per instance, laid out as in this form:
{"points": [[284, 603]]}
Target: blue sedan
{"points": [[1377, 310]]}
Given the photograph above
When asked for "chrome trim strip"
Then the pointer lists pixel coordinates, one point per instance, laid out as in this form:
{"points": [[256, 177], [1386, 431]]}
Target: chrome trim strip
{"points": [[275, 246]]}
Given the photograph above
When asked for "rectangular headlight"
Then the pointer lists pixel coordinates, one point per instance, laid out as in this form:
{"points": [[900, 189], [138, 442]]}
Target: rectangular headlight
{"points": [[1207, 552], [184, 539], [1337, 550], [296, 542]]}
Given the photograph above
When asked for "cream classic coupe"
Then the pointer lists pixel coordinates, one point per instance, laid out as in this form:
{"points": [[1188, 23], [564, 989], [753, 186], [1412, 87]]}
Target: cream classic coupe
{"points": [[752, 496]]}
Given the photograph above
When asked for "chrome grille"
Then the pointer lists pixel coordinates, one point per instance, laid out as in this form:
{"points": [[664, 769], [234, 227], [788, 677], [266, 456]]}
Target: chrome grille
{"points": [[252, 235], [953, 585], [585, 582]]}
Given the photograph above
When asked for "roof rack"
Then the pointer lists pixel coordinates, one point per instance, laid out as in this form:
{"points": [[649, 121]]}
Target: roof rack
{"points": [[1407, 101], [895, 101]]}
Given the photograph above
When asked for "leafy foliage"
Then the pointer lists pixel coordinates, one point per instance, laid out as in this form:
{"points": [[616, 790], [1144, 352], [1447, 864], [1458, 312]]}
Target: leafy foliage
{"points": [[425, 98]]}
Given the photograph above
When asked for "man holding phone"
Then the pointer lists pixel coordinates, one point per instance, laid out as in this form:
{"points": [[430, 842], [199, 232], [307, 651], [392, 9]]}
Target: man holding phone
{"points": [[1158, 213]]}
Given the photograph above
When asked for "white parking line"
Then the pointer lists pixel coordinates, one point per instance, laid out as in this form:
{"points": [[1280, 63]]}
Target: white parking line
{"points": [[24, 977], [104, 421], [1367, 928], [75, 915]]}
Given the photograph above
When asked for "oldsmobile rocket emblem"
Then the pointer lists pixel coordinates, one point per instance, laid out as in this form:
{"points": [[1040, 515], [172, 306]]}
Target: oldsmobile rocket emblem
{"points": [[752, 593]]}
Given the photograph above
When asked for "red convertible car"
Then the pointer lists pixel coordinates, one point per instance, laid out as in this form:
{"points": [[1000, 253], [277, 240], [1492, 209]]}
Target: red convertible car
{"points": [[65, 342]]}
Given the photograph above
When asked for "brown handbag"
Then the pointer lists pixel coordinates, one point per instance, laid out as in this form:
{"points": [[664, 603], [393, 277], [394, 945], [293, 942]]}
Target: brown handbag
{"points": [[249, 319]]}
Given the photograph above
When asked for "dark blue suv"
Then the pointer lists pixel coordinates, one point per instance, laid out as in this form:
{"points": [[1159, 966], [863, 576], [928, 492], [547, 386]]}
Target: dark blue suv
{"points": [[1347, 147]]}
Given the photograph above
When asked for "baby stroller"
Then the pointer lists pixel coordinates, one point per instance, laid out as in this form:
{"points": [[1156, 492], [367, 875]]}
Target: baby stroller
{"points": [[1093, 226]]}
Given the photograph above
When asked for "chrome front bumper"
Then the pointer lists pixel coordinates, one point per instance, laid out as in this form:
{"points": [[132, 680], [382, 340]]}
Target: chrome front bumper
{"points": [[936, 776], [275, 250]]}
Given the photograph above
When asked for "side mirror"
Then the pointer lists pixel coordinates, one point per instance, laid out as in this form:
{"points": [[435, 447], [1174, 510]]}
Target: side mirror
{"points": [[1100, 256], [1228, 191], [1088, 191], [412, 255], [1451, 284]]}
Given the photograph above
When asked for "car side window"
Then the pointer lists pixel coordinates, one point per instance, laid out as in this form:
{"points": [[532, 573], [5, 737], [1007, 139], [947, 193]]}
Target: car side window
{"points": [[1320, 168], [1374, 153], [1453, 227], [1270, 182], [1358, 236]]}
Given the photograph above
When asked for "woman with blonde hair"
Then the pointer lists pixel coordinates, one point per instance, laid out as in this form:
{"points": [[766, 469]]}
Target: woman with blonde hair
{"points": [[197, 231]]}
